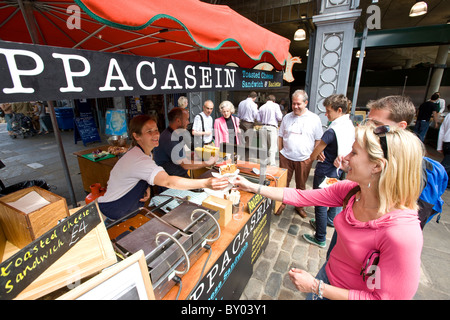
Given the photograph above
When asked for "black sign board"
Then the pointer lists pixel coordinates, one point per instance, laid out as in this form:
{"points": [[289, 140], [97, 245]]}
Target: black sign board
{"points": [[25, 266], [254, 202], [86, 130], [228, 277], [33, 72]]}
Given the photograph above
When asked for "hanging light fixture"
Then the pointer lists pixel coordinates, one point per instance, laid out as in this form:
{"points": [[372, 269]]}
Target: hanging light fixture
{"points": [[300, 34], [418, 9], [358, 53]]}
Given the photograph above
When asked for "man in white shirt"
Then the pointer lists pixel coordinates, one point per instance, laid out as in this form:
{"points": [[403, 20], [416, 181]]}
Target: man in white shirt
{"points": [[269, 115], [441, 103], [247, 111], [203, 125], [300, 131]]}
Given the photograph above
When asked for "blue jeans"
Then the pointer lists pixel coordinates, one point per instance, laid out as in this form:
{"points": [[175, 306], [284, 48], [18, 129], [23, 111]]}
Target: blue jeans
{"points": [[43, 127], [8, 117], [321, 275], [324, 216], [421, 128]]}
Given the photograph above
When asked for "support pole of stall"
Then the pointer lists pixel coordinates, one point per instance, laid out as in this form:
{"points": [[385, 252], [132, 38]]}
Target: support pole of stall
{"points": [[358, 72], [61, 153]]}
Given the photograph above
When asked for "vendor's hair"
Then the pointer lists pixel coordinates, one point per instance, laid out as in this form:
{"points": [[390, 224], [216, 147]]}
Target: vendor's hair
{"points": [[400, 108], [226, 104], [336, 101], [136, 125], [398, 187]]}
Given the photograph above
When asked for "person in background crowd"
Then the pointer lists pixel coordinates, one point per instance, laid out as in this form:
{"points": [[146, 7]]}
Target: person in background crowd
{"points": [[299, 134], [203, 124], [247, 111], [443, 144], [269, 115], [39, 111], [183, 102], [171, 154], [129, 181], [399, 111], [441, 103], [284, 106], [226, 128], [379, 218], [337, 140], [426, 110], [7, 109], [24, 108]]}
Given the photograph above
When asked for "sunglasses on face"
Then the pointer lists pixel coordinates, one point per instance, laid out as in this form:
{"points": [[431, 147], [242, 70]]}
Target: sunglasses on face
{"points": [[381, 131], [373, 121]]}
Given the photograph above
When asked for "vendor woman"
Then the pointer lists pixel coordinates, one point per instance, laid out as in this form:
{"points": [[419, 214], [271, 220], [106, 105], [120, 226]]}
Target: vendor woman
{"points": [[129, 181]]}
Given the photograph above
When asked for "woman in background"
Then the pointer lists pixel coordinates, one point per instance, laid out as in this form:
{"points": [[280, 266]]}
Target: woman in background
{"points": [[226, 128]]}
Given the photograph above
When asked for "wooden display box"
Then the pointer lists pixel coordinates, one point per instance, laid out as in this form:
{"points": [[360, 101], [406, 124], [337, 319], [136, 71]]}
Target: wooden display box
{"points": [[91, 254], [223, 206], [21, 228]]}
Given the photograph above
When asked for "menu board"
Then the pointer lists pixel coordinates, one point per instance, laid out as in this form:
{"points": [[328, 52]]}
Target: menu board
{"points": [[86, 130]]}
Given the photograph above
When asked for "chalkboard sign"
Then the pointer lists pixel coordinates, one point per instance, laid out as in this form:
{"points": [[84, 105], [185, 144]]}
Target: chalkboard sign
{"points": [[86, 130], [17, 272]]}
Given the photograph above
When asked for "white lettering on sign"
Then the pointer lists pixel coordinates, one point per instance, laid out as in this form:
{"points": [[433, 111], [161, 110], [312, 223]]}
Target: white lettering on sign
{"points": [[114, 65], [16, 73], [69, 73], [139, 78]]}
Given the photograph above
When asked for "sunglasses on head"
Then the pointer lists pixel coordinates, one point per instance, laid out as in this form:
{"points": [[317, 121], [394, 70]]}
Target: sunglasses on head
{"points": [[381, 131]]}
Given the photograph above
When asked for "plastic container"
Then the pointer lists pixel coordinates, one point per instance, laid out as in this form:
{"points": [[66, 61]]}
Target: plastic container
{"points": [[64, 117]]}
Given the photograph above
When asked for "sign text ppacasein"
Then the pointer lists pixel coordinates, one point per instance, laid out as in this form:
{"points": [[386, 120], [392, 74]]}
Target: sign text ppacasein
{"points": [[34, 72]]}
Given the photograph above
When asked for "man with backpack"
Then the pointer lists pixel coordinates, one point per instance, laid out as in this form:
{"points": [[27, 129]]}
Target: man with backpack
{"points": [[400, 111], [203, 125]]}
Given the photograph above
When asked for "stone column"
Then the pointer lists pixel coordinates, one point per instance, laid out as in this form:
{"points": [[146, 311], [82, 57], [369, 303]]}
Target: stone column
{"points": [[439, 66], [333, 50]]}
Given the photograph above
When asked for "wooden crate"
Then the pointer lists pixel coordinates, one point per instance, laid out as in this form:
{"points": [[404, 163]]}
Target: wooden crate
{"points": [[21, 228]]}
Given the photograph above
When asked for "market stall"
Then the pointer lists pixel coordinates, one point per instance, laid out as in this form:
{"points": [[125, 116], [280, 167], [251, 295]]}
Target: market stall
{"points": [[35, 72], [174, 29]]}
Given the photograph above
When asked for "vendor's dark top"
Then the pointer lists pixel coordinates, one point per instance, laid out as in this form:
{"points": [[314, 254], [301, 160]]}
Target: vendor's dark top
{"points": [[426, 110], [162, 154]]}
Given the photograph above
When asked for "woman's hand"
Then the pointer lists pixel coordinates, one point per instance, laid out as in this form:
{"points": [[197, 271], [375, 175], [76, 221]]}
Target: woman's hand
{"points": [[245, 185], [217, 183], [302, 280], [341, 163]]}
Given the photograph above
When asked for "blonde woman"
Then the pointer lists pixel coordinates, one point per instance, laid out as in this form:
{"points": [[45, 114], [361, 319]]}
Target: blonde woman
{"points": [[379, 219]]}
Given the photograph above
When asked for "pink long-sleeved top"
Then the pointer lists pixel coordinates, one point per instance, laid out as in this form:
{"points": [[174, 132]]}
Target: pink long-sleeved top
{"points": [[397, 235]]}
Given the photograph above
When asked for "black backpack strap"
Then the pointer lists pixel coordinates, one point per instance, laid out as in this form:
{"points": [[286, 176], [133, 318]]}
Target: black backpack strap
{"points": [[350, 194], [203, 124]]}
